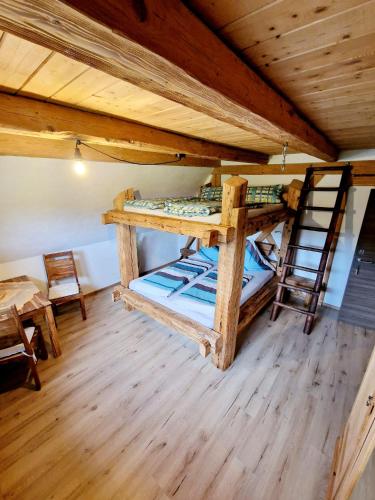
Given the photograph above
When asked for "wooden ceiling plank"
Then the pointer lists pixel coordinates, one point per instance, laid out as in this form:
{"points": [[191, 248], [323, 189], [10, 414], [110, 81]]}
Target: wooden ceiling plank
{"points": [[18, 60], [29, 117], [84, 86], [37, 147], [58, 71], [136, 46], [347, 51], [332, 77], [360, 91], [280, 18], [220, 13], [340, 84], [351, 23]]}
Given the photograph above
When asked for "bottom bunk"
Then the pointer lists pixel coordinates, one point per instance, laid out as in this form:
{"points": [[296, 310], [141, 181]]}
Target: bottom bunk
{"points": [[182, 295], [189, 301]]}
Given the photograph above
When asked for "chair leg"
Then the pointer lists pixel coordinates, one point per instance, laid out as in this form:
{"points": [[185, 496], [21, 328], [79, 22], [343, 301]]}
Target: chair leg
{"points": [[83, 307], [34, 374], [41, 344]]}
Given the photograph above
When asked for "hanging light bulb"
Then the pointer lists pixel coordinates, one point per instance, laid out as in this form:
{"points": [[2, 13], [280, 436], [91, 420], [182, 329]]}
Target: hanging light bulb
{"points": [[79, 166]]}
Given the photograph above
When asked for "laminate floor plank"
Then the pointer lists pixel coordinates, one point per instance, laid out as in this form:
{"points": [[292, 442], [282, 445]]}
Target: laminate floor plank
{"points": [[132, 411]]}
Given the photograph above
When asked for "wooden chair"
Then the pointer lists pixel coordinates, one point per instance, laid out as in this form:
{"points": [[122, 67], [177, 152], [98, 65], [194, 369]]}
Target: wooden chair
{"points": [[17, 342], [61, 266]]}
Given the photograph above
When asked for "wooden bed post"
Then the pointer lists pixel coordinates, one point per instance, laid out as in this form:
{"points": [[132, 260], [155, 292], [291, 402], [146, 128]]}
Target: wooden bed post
{"points": [[127, 242], [230, 270], [215, 179]]}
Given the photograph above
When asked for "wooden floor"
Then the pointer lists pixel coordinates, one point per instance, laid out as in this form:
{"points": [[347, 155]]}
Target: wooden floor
{"points": [[131, 411]]}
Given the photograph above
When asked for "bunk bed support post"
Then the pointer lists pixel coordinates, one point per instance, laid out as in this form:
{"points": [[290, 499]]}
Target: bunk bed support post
{"points": [[230, 270], [126, 244], [215, 179]]}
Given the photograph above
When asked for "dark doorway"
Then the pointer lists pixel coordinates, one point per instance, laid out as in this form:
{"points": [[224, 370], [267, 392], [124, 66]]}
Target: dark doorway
{"points": [[358, 306]]}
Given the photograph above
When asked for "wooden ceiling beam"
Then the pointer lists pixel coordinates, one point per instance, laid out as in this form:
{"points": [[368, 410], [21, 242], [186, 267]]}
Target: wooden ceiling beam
{"points": [[38, 147], [359, 167], [161, 46], [363, 171], [30, 117]]}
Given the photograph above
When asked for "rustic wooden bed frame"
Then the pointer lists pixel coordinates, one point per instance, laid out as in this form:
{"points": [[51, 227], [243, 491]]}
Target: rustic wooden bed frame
{"points": [[237, 222]]}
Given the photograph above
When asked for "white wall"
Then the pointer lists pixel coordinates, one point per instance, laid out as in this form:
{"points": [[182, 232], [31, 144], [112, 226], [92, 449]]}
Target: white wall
{"points": [[46, 207], [97, 264], [355, 209]]}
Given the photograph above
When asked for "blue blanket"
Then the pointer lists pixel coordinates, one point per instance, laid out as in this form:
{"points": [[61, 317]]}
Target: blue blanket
{"points": [[172, 278], [204, 290]]}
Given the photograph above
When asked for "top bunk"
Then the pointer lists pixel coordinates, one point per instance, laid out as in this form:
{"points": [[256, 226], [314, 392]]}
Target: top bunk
{"points": [[214, 228]]}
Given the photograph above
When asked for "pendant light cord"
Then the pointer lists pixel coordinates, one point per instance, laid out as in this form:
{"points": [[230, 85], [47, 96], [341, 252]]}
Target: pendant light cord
{"points": [[180, 156]]}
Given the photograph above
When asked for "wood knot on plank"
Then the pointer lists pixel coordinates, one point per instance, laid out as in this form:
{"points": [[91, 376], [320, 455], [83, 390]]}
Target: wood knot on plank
{"points": [[140, 10]]}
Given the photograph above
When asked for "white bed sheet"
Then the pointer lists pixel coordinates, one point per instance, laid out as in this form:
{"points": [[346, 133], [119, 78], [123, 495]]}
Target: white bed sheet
{"points": [[202, 313]]}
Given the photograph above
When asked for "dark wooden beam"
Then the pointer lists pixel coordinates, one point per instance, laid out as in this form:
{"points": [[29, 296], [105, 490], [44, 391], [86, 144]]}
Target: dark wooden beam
{"points": [[363, 171], [161, 46], [30, 117]]}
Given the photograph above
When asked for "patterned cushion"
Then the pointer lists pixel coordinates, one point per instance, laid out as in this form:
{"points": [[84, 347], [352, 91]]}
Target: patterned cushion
{"points": [[189, 209], [255, 194], [155, 203], [264, 194], [211, 193]]}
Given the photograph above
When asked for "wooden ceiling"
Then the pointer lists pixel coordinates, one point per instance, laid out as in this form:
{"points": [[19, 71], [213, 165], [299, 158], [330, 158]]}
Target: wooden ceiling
{"points": [[321, 55], [30, 70]]}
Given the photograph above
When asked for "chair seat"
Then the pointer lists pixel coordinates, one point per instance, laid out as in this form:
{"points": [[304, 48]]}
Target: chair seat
{"points": [[63, 290], [18, 348]]}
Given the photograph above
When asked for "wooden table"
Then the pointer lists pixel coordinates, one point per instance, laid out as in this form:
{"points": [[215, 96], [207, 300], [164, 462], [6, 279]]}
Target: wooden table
{"points": [[30, 302]]}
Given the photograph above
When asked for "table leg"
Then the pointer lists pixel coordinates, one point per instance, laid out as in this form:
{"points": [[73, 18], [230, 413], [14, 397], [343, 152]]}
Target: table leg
{"points": [[55, 342]]}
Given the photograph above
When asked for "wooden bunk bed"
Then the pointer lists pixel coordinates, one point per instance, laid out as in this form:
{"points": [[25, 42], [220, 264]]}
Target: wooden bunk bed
{"points": [[236, 222]]}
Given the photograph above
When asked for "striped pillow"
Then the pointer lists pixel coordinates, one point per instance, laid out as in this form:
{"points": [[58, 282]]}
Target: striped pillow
{"points": [[172, 278], [204, 290]]}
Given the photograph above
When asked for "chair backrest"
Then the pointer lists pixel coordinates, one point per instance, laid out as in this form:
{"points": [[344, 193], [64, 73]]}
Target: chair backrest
{"points": [[60, 265], [12, 331]]}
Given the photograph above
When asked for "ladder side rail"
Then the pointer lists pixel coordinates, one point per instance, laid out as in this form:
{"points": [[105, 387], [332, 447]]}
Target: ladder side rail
{"points": [[328, 241]]}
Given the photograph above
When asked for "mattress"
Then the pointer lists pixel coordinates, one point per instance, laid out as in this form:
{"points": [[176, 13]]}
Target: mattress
{"points": [[197, 311], [209, 219]]}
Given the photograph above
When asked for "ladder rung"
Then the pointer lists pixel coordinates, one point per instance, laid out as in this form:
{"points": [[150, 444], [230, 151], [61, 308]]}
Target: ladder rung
{"points": [[310, 249], [302, 268], [324, 169], [293, 308], [300, 288], [322, 189], [318, 209], [313, 228]]}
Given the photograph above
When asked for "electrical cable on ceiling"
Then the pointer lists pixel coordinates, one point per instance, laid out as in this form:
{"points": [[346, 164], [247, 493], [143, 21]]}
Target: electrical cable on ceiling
{"points": [[179, 156]]}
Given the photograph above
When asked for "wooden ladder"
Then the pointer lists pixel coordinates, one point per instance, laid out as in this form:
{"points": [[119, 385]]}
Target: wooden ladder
{"points": [[293, 246]]}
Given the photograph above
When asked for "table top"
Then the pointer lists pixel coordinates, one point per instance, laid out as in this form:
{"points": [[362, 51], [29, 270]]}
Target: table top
{"points": [[22, 292]]}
